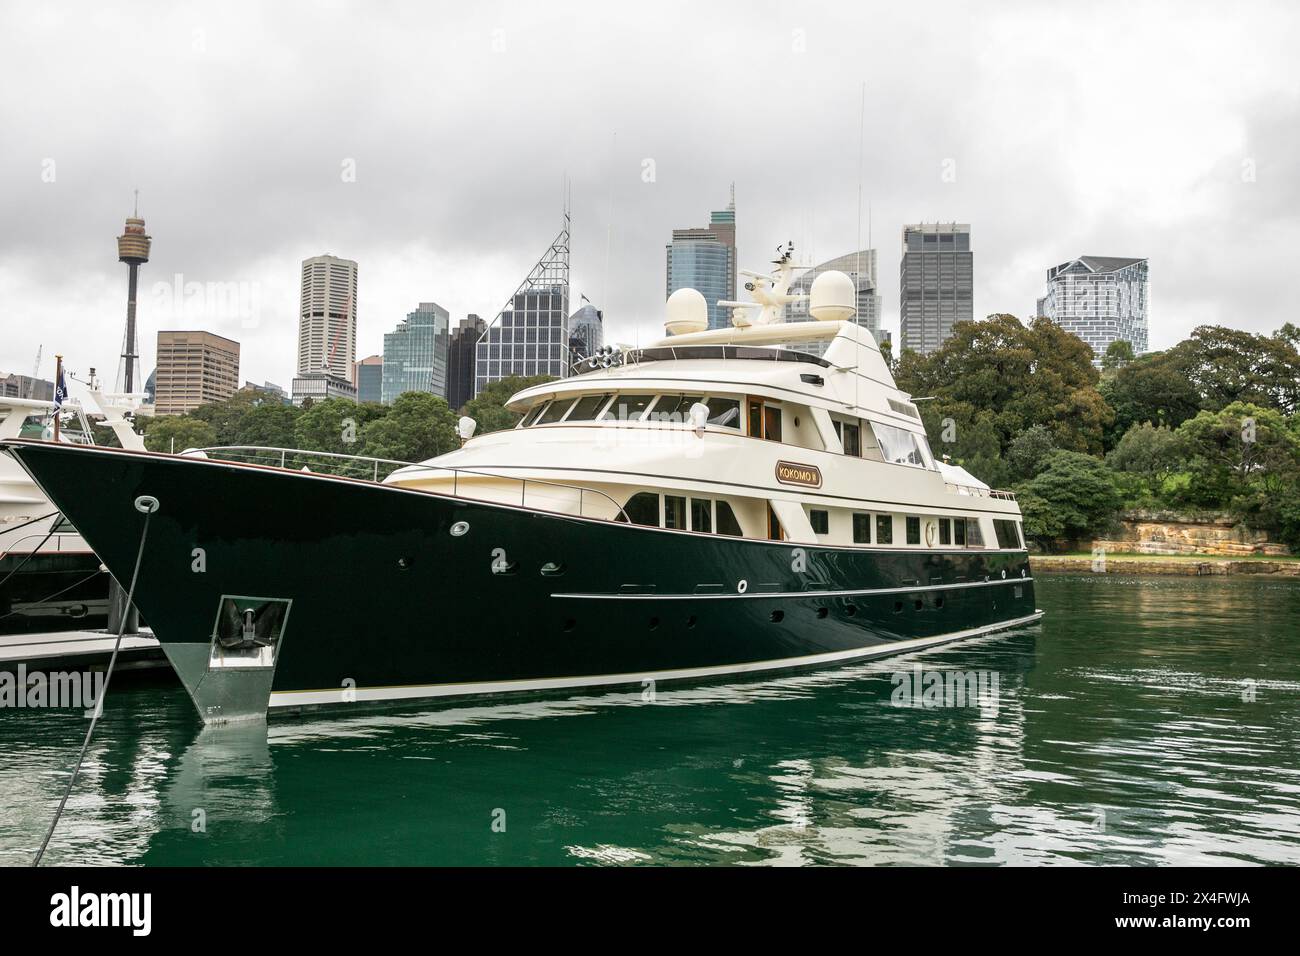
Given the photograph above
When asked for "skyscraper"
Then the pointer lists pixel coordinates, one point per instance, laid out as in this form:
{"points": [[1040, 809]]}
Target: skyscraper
{"points": [[460, 360], [327, 317], [858, 266], [530, 335], [415, 353], [370, 377], [936, 284], [194, 368], [586, 331], [1101, 299], [132, 248], [704, 259]]}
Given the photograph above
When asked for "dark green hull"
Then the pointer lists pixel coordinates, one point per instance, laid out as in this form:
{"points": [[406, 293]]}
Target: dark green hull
{"points": [[52, 592], [382, 598]]}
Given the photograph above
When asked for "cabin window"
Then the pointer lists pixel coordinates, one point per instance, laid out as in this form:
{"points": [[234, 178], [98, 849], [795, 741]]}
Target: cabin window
{"points": [[1008, 537], [587, 408], [764, 420], [675, 512], [897, 444], [913, 529], [727, 523], [884, 529], [556, 411], [535, 413], [642, 508], [974, 537], [861, 529], [773, 525], [724, 412], [945, 531], [852, 440], [820, 521], [627, 408], [701, 514], [675, 408], [959, 532]]}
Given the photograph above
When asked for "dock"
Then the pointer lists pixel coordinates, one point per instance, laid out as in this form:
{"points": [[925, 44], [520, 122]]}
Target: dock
{"points": [[80, 650]]}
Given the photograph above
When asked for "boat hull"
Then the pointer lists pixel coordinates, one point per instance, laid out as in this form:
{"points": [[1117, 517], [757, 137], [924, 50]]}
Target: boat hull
{"points": [[365, 592]]}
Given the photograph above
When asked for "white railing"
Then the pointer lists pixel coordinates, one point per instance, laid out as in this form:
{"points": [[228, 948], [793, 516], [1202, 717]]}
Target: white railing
{"points": [[368, 468], [977, 492]]}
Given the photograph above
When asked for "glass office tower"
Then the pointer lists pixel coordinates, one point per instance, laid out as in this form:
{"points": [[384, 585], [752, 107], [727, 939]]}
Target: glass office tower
{"points": [[415, 353]]}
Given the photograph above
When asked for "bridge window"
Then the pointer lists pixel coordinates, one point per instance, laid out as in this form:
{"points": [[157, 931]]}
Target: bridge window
{"points": [[556, 411], [724, 411], [534, 414], [727, 523], [587, 408], [675, 408], [675, 512], [642, 508], [1005, 529], [627, 408], [701, 514]]}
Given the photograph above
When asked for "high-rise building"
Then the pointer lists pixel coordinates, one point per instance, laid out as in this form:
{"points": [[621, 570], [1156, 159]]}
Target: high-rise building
{"points": [[318, 386], [936, 284], [1101, 299], [268, 393], [327, 317], [194, 368], [460, 360], [132, 248], [586, 331], [415, 353], [370, 378], [704, 259], [858, 266], [530, 335], [24, 386]]}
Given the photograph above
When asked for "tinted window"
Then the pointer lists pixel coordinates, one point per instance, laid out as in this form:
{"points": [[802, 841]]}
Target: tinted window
{"points": [[676, 408], [627, 408], [974, 537], [533, 415], [701, 514], [556, 411], [884, 529], [852, 441], [1006, 532], [820, 520], [913, 529], [896, 444], [724, 411], [945, 531], [862, 529], [587, 408], [675, 512], [643, 508], [727, 523], [959, 531]]}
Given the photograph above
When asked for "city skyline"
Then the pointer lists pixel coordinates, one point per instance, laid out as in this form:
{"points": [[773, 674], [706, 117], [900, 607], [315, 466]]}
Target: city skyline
{"points": [[1212, 166]]}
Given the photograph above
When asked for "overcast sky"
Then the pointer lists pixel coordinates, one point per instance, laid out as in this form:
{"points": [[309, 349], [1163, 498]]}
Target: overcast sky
{"points": [[1056, 130]]}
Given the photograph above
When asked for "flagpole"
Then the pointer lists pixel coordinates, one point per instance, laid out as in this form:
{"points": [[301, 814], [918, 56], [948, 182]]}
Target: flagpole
{"points": [[58, 383]]}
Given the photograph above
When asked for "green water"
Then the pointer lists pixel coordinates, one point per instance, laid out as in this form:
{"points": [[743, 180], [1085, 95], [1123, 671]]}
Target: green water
{"points": [[1119, 736]]}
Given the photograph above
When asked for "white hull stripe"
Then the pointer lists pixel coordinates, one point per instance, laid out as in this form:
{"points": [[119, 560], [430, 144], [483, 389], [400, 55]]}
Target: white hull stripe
{"points": [[713, 596], [309, 698]]}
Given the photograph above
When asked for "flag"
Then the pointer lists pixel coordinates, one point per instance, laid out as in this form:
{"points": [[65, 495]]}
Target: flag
{"points": [[60, 391]]}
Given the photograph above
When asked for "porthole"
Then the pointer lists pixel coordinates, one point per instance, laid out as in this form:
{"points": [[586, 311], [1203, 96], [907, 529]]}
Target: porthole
{"points": [[918, 604], [654, 623], [822, 612], [850, 609], [742, 586], [1004, 573], [778, 617], [459, 529], [898, 607], [938, 602], [1022, 572]]}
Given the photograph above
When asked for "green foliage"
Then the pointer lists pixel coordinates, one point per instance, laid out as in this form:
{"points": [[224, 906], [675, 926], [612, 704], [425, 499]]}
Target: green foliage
{"points": [[179, 432], [1149, 455], [334, 425], [227, 417], [488, 407], [1027, 452], [1074, 496], [418, 426], [1018, 376], [1154, 388], [1118, 354], [267, 425]]}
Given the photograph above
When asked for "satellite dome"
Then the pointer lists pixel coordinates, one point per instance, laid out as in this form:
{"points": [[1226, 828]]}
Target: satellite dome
{"points": [[686, 312], [833, 297]]}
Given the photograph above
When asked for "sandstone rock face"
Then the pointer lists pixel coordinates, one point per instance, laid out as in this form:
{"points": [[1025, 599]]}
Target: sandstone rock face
{"points": [[1148, 532], [1054, 564]]}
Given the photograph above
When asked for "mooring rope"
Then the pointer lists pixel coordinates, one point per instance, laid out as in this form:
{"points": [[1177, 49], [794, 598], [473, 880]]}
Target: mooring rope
{"points": [[30, 554], [146, 505], [51, 597]]}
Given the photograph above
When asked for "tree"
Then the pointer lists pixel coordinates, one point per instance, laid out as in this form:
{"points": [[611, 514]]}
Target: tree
{"points": [[488, 409], [1243, 457], [1074, 496], [1020, 375], [179, 432], [1149, 453], [1153, 388], [334, 425], [268, 425], [1027, 452], [418, 426], [227, 417], [1118, 354]]}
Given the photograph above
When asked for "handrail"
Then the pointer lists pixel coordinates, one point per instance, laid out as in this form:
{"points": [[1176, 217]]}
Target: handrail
{"points": [[977, 492], [455, 473]]}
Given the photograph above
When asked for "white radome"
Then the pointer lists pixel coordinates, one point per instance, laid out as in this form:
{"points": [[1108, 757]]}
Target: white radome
{"points": [[833, 297], [686, 312]]}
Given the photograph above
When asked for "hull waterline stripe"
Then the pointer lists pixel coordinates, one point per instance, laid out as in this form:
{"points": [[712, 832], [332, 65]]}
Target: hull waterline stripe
{"points": [[792, 594], [307, 698]]}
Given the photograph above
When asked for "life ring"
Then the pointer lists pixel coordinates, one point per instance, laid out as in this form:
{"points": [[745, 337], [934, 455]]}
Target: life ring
{"points": [[930, 528]]}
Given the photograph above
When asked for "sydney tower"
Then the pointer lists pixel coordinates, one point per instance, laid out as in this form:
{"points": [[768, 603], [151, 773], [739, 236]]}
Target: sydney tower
{"points": [[133, 249]]}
